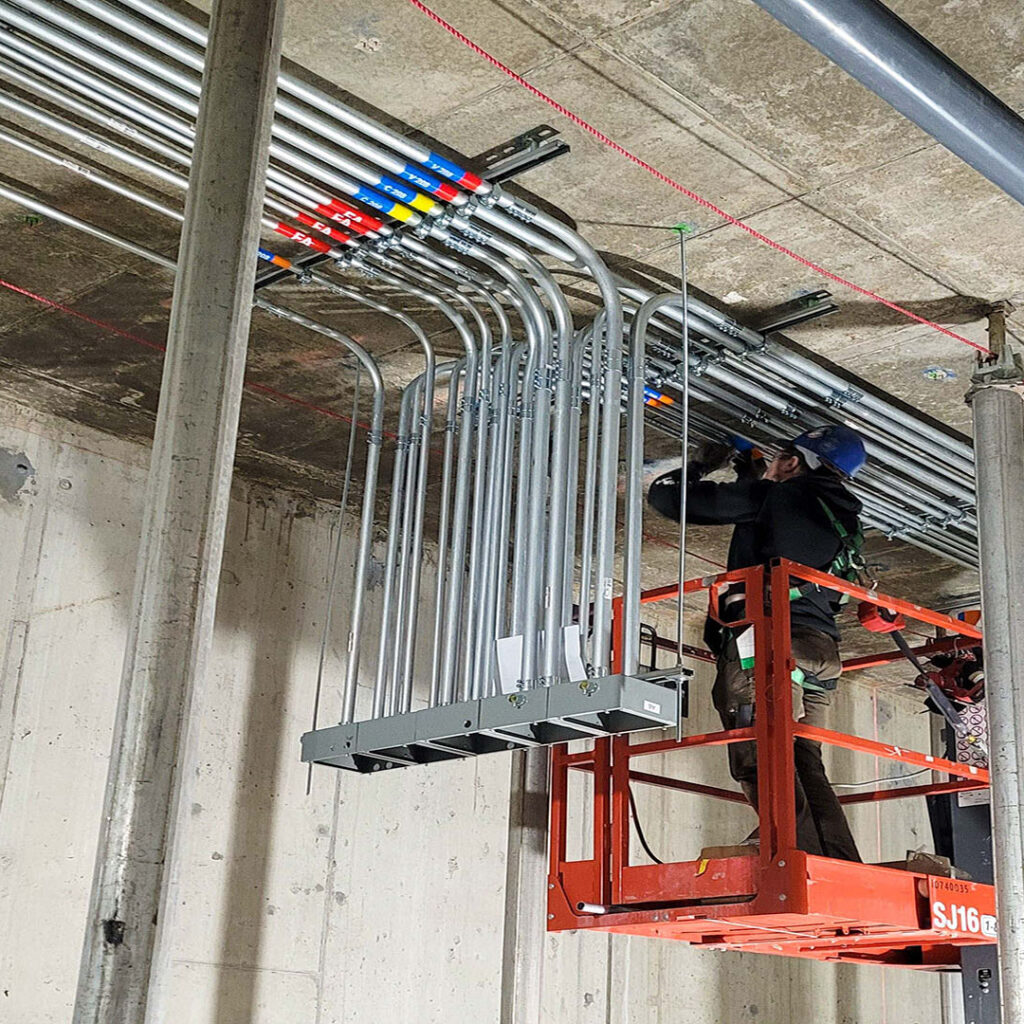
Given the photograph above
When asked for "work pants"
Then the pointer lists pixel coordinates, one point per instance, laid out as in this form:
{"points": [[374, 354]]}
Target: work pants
{"points": [[821, 826]]}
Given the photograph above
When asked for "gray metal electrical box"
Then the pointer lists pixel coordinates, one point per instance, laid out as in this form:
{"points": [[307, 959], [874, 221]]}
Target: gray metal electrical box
{"points": [[607, 706]]}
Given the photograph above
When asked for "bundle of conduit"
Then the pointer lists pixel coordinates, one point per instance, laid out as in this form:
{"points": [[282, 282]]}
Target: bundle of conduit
{"points": [[527, 485]]}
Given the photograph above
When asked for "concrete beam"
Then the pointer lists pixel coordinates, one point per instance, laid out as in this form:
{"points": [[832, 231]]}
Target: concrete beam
{"points": [[133, 895]]}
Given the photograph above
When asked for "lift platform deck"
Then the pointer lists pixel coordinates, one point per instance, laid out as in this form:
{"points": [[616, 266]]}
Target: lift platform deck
{"points": [[777, 899], [806, 906]]}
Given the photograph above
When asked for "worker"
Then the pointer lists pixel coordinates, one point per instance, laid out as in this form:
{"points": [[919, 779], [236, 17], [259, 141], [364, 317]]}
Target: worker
{"points": [[796, 506]]}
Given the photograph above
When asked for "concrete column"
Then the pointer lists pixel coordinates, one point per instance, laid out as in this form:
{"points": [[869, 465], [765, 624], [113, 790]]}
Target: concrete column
{"points": [[182, 539], [525, 888], [951, 999], [999, 446]]}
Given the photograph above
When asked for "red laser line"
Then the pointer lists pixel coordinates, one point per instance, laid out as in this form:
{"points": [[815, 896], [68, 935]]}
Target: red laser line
{"points": [[83, 316], [651, 539], [157, 347], [689, 193]]}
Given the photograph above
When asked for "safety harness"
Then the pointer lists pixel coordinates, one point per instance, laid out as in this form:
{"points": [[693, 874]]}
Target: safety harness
{"points": [[848, 563]]}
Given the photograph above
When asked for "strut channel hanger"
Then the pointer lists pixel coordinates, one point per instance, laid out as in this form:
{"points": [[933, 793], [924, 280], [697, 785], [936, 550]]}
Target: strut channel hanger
{"points": [[521, 154]]}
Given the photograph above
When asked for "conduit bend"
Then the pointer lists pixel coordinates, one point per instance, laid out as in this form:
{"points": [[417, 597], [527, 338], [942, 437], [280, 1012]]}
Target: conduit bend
{"points": [[509, 477]]}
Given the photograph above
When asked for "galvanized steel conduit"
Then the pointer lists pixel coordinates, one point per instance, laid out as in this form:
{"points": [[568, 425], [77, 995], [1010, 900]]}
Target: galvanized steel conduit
{"points": [[509, 484]]}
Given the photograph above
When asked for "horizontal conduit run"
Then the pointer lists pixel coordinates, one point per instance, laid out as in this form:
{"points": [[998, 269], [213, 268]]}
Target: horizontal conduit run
{"points": [[517, 441]]}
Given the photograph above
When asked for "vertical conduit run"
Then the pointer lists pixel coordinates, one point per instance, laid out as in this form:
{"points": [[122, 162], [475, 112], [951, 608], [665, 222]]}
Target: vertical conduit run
{"points": [[871, 43], [455, 374], [634, 477]]}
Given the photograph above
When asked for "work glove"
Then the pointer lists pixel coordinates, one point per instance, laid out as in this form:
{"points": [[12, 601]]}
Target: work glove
{"points": [[709, 456], [749, 464]]}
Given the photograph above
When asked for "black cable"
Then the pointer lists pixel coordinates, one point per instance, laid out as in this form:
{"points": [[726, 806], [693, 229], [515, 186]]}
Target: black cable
{"points": [[639, 828], [873, 782]]}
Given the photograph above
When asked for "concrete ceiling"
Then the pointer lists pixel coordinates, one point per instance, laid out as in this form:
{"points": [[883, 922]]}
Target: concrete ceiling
{"points": [[713, 92]]}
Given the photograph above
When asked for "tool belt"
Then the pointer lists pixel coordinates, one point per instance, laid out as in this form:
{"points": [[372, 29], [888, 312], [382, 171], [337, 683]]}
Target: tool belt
{"points": [[743, 637]]}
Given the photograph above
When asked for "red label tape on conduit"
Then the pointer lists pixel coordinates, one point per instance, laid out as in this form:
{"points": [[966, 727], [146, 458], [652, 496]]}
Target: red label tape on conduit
{"points": [[262, 389], [706, 203]]}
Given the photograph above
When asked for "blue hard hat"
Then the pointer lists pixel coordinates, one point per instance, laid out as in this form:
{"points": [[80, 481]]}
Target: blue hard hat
{"points": [[838, 447]]}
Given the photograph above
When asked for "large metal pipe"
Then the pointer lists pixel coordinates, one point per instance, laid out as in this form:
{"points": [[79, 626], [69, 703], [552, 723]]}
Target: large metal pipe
{"points": [[898, 64], [998, 411]]}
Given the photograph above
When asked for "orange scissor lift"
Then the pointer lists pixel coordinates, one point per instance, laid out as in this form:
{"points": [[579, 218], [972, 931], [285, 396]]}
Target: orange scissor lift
{"points": [[781, 900]]}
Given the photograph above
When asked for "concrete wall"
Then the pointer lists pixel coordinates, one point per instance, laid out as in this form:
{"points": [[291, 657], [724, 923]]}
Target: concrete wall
{"points": [[371, 899]]}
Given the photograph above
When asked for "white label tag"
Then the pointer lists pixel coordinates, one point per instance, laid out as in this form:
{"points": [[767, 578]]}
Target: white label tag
{"points": [[962, 907], [745, 647], [510, 659], [973, 798], [649, 705], [575, 670]]}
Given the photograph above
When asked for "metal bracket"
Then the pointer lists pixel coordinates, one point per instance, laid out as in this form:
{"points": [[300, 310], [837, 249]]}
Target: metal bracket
{"points": [[1004, 368], [531, 149], [471, 231], [460, 245], [797, 311], [1006, 372], [279, 273], [837, 397]]}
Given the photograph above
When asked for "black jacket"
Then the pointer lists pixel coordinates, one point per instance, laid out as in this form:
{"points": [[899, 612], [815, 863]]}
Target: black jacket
{"points": [[772, 520]]}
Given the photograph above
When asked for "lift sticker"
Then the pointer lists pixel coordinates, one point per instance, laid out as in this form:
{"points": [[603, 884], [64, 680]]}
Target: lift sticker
{"points": [[963, 908]]}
